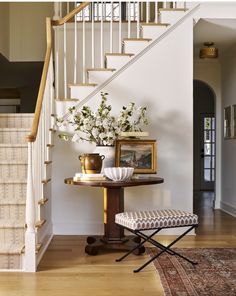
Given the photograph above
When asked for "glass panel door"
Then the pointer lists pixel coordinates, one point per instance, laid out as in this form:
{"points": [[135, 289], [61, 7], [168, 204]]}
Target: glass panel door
{"points": [[207, 151]]}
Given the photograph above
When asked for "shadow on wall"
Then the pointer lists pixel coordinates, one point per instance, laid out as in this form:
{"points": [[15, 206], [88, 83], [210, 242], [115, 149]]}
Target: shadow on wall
{"points": [[22, 75]]}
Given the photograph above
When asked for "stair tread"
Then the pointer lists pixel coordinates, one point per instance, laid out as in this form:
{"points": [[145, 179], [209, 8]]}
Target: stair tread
{"points": [[155, 24], [137, 39], [12, 201], [7, 223], [173, 9], [119, 54], [66, 99], [11, 248], [13, 145], [13, 181], [13, 161], [14, 129], [83, 84], [101, 69], [17, 115]]}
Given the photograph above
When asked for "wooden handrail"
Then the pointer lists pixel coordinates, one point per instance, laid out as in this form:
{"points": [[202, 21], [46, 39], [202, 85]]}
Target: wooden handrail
{"points": [[32, 136], [70, 15], [49, 23]]}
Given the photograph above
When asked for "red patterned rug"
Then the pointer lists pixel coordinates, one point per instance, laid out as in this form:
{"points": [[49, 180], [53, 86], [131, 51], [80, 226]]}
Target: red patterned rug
{"points": [[214, 275]]}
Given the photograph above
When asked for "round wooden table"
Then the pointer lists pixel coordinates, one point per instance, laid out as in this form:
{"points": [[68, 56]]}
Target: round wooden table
{"points": [[113, 238]]}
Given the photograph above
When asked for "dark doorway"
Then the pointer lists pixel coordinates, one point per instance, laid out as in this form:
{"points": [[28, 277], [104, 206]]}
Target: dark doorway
{"points": [[204, 137]]}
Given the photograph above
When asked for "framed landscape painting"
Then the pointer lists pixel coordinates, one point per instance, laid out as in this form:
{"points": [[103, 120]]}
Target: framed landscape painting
{"points": [[136, 153]]}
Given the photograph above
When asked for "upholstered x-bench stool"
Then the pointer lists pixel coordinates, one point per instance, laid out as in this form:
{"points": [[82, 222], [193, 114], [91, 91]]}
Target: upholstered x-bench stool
{"points": [[156, 220]]}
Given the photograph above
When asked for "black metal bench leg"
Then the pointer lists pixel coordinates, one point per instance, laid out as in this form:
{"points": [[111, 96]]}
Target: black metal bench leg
{"points": [[139, 245], [168, 248]]}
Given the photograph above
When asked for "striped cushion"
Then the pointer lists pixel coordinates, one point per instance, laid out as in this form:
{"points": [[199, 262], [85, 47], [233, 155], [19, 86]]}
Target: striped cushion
{"points": [[156, 219]]}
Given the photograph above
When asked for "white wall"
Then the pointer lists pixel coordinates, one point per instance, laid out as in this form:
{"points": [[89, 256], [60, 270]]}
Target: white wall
{"points": [[162, 81], [228, 202], [209, 71], [4, 29], [28, 30]]}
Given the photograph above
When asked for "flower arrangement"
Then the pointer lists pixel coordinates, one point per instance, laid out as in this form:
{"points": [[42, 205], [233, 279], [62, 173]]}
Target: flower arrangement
{"points": [[100, 126]]}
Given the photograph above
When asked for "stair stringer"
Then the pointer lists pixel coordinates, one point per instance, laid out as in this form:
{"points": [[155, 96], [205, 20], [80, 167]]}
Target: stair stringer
{"points": [[135, 58]]}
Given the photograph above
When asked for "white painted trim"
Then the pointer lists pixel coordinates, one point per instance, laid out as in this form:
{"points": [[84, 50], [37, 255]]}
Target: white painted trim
{"points": [[228, 208], [44, 248], [134, 59]]}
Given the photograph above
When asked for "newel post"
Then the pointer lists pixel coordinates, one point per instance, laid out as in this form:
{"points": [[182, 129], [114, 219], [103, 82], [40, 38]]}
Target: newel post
{"points": [[30, 235]]}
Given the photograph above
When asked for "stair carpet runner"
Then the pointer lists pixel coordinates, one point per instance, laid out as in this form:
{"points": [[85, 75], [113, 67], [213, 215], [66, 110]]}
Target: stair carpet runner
{"points": [[13, 180]]}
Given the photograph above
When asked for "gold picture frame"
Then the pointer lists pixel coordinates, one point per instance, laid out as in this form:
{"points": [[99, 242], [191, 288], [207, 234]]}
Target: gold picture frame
{"points": [[140, 154]]}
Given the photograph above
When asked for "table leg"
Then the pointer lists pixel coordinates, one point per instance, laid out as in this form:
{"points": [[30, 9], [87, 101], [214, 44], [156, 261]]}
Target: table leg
{"points": [[113, 238]]}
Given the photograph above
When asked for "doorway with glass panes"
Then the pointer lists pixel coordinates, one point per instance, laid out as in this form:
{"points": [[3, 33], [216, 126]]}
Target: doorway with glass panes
{"points": [[204, 136]]}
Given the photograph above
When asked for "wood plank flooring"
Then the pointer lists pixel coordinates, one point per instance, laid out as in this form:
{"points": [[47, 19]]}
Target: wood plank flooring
{"points": [[66, 270]]}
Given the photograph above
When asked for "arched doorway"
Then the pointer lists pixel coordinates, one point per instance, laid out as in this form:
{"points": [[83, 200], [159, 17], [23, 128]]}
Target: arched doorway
{"points": [[204, 137]]}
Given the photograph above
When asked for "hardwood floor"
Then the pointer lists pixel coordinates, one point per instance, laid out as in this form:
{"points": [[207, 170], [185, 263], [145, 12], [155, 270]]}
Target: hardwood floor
{"points": [[66, 270]]}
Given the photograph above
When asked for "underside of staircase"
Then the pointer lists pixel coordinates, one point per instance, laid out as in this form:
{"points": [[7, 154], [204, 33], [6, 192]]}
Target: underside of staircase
{"points": [[115, 62], [13, 180]]}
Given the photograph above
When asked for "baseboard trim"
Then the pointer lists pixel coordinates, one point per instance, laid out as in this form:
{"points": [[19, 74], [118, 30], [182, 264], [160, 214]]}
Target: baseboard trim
{"points": [[46, 239], [44, 248], [228, 208]]}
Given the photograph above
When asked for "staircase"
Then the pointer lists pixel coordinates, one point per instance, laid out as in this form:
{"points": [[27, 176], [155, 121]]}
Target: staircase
{"points": [[107, 57], [13, 179], [26, 165]]}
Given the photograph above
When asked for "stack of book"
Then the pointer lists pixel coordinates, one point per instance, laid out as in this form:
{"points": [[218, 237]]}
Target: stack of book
{"points": [[88, 177]]}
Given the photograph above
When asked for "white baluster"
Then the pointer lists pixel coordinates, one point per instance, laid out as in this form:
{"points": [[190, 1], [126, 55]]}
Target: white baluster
{"points": [[134, 11], [138, 22], [67, 7], [75, 50], [65, 62], [156, 12], [30, 217], [147, 12], [142, 12], [111, 29], [120, 24], [56, 15], [129, 19], [92, 35], [98, 11], [101, 38], [60, 9], [57, 62], [83, 42]]}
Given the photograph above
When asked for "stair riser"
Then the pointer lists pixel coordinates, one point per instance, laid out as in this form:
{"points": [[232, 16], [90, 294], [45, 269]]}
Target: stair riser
{"points": [[14, 191], [15, 171], [16, 122], [17, 153], [14, 137], [135, 46], [171, 17], [10, 261], [99, 76], [153, 32], [12, 235], [62, 107], [13, 212], [80, 92], [117, 62]]}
